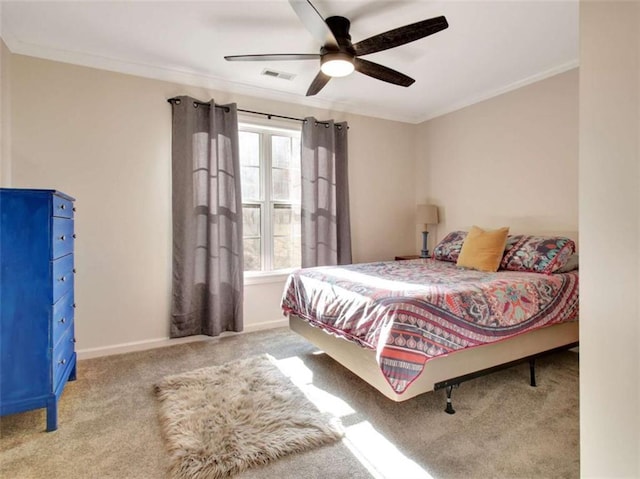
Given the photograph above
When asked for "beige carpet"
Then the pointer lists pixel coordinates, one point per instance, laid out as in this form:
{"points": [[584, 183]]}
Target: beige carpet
{"points": [[221, 420], [503, 428]]}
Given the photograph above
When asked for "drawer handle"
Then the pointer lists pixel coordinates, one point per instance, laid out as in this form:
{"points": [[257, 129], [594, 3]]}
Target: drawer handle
{"points": [[74, 208], [74, 271], [62, 361], [73, 340], [62, 321], [62, 238], [74, 305], [62, 278], [62, 206], [74, 236]]}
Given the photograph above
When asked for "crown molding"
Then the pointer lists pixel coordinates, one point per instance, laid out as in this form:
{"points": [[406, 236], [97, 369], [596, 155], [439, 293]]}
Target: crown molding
{"points": [[502, 90], [211, 82], [188, 78]]}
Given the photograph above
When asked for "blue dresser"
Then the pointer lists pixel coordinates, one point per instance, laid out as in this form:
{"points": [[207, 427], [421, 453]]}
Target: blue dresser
{"points": [[37, 342]]}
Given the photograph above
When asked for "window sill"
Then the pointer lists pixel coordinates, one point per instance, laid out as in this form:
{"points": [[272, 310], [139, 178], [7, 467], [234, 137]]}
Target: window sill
{"points": [[263, 277]]}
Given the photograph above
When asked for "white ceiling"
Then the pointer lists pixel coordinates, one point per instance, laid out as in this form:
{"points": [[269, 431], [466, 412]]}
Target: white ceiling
{"points": [[490, 47]]}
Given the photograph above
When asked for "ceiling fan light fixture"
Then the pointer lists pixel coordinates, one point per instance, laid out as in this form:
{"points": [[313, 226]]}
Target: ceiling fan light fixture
{"points": [[337, 64]]}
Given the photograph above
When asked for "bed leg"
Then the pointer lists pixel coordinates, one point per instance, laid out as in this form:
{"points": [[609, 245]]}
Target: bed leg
{"points": [[449, 409], [532, 371]]}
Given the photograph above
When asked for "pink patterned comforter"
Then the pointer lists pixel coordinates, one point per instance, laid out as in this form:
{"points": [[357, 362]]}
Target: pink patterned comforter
{"points": [[412, 311]]}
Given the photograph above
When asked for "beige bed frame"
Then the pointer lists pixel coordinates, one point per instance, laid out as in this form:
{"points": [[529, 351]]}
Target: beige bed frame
{"points": [[362, 362]]}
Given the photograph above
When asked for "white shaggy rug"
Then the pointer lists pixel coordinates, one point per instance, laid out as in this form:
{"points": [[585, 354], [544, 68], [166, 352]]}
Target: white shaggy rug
{"points": [[221, 420]]}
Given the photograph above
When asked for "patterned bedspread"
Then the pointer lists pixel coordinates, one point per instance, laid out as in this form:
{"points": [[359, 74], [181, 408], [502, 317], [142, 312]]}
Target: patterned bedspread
{"points": [[412, 311]]}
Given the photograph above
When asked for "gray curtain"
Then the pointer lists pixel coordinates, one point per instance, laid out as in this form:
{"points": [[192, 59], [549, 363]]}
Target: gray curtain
{"points": [[326, 230], [207, 219]]}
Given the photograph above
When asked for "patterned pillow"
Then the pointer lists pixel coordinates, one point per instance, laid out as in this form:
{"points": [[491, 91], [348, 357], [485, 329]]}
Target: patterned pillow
{"points": [[571, 265], [511, 242], [449, 248], [537, 254]]}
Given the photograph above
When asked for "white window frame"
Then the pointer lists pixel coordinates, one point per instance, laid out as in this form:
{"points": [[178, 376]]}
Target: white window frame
{"points": [[266, 128]]}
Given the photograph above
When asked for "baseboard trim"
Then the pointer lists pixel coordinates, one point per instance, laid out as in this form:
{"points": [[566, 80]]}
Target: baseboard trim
{"points": [[278, 323], [146, 344]]}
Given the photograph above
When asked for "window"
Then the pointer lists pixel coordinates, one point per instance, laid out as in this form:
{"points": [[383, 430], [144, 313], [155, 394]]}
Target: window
{"points": [[270, 163]]}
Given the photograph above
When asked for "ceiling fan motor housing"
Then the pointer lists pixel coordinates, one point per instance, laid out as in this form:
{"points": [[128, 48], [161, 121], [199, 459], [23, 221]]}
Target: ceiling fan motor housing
{"points": [[339, 26]]}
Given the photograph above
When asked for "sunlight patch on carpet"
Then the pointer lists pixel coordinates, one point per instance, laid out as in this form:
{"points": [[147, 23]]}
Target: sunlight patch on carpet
{"points": [[295, 369], [221, 420], [375, 452], [381, 457]]}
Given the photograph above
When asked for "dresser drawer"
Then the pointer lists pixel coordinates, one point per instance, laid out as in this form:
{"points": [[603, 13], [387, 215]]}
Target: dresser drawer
{"points": [[62, 241], [62, 353], [62, 207], [63, 314], [37, 317], [62, 276]]}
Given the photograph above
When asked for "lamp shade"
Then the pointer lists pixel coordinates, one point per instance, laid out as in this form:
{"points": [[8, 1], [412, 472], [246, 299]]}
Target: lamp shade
{"points": [[427, 215]]}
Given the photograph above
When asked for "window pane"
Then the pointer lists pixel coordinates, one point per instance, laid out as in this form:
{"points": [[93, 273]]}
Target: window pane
{"points": [[250, 183], [250, 165], [281, 184], [285, 172], [280, 151], [252, 256], [252, 237], [284, 220], [286, 237], [251, 220], [295, 152], [249, 148], [296, 178], [286, 252]]}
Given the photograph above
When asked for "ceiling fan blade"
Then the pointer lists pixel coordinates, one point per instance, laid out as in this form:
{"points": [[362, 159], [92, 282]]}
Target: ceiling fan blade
{"points": [[400, 36], [313, 21], [381, 72], [318, 83], [273, 58]]}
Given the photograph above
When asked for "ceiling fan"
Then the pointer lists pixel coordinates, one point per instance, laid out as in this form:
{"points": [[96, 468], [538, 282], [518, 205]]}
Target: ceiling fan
{"points": [[339, 57]]}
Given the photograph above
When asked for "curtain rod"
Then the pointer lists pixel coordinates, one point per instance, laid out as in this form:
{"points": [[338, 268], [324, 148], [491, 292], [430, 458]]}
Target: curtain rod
{"points": [[197, 103]]}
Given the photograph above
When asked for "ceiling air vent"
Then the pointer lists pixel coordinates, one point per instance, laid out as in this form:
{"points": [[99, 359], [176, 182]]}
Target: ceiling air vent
{"points": [[276, 74]]}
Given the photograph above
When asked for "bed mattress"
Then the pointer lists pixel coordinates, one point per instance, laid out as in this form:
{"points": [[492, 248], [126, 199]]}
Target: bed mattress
{"points": [[412, 311]]}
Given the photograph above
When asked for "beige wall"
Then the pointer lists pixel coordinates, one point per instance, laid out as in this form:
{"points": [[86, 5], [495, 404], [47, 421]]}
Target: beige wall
{"points": [[105, 138], [5, 115], [610, 239], [508, 161]]}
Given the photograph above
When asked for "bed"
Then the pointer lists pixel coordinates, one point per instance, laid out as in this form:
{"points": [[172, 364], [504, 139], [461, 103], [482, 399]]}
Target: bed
{"points": [[409, 327]]}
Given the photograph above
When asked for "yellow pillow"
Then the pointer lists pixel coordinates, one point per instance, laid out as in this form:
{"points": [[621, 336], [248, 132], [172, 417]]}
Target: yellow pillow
{"points": [[483, 250]]}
